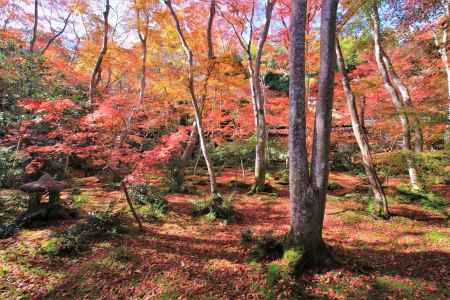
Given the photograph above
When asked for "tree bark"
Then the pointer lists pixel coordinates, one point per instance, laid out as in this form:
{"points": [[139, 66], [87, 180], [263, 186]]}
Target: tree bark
{"points": [[389, 86], [35, 25], [361, 138], [194, 100], [406, 99], [308, 190], [441, 44], [98, 64]]}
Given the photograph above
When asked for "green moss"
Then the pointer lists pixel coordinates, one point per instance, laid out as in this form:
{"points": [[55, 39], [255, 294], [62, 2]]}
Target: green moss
{"points": [[437, 237]]}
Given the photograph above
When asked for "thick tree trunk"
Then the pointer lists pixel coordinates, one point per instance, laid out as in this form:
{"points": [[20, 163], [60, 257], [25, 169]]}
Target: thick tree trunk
{"points": [[191, 86], [404, 120], [441, 44], [361, 138], [308, 191], [98, 64]]}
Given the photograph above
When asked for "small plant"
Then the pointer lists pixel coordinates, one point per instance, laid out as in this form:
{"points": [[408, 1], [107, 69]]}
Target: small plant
{"points": [[334, 186], [76, 238], [267, 247], [247, 236], [151, 204], [123, 255], [429, 200], [216, 208], [79, 200]]}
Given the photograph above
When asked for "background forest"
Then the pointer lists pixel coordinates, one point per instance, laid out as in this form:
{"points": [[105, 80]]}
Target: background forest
{"points": [[158, 149]]}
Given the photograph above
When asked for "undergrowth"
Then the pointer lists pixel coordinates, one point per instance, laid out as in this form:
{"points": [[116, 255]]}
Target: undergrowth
{"points": [[77, 238], [216, 208]]}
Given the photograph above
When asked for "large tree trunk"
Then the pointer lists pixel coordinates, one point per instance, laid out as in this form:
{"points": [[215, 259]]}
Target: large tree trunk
{"points": [[361, 138], [441, 44], [389, 86], [308, 191], [195, 105], [96, 71]]}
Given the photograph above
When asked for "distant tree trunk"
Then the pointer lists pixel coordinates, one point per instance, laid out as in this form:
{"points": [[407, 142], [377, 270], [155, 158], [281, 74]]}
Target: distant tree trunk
{"points": [[96, 71], [441, 44], [35, 25], [361, 138], [403, 116], [308, 190], [362, 113], [194, 100], [193, 138], [406, 99], [258, 101]]}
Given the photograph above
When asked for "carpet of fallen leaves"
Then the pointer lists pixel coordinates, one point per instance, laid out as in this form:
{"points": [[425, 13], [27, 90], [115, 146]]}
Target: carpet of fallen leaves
{"points": [[180, 257]]}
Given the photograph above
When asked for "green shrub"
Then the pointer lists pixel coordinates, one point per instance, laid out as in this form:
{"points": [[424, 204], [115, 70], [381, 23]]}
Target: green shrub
{"points": [[429, 200], [342, 160], [246, 236], [334, 186], [76, 239], [144, 194], [216, 208], [11, 172], [174, 175], [267, 247]]}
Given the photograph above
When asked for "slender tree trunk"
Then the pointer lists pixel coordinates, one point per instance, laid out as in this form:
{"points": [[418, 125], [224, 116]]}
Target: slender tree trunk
{"points": [[404, 120], [143, 72], [191, 86], [406, 99], [190, 147], [259, 102], [308, 191], [54, 37], [35, 25], [98, 64], [361, 138], [193, 138]]}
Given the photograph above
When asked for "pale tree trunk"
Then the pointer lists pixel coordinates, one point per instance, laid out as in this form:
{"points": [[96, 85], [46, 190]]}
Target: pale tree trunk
{"points": [[389, 86], [361, 138], [193, 138], [258, 101], [35, 25], [406, 99], [96, 71], [195, 105], [441, 44], [308, 190]]}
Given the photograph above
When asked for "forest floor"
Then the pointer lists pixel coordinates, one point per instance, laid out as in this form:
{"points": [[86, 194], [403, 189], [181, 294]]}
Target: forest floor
{"points": [[181, 257]]}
